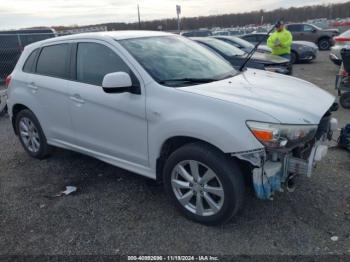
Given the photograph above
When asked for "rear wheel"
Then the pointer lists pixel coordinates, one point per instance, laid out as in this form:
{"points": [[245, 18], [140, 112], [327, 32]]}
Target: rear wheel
{"points": [[324, 44], [345, 100], [31, 135], [204, 184]]}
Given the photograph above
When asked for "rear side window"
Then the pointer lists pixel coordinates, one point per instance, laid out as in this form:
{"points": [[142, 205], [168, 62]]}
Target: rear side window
{"points": [[94, 61], [53, 61], [29, 64], [295, 28]]}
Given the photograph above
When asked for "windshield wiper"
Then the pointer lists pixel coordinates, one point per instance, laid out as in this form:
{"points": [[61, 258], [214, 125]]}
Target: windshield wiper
{"points": [[188, 80], [251, 53]]}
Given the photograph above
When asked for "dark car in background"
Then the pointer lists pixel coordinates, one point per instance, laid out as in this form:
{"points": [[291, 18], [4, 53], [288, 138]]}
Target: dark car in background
{"points": [[237, 57], [243, 44], [12, 44], [302, 51], [197, 33], [323, 38]]}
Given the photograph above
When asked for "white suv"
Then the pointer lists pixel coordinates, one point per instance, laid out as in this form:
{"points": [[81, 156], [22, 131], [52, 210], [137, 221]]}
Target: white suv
{"points": [[167, 108]]}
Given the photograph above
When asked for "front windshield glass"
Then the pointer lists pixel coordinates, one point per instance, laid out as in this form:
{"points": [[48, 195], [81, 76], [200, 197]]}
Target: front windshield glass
{"points": [[168, 58], [223, 47], [241, 42]]}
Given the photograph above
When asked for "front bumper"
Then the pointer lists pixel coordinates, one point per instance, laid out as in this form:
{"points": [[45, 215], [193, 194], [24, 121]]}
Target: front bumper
{"points": [[307, 55], [271, 169]]}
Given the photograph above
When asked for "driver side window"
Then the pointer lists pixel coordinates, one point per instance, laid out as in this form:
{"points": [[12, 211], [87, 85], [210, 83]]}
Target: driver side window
{"points": [[308, 28], [94, 61]]}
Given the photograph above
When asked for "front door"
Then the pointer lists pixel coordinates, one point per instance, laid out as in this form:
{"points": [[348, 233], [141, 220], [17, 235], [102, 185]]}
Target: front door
{"points": [[113, 125]]}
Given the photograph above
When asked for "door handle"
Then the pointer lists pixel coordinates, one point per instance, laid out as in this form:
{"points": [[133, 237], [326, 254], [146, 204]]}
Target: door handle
{"points": [[33, 87], [77, 98]]}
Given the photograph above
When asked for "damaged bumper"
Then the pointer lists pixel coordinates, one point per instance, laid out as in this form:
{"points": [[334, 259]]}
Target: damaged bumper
{"points": [[273, 169]]}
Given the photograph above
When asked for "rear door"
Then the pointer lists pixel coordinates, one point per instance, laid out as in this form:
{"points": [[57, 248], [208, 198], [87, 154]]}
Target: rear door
{"points": [[112, 125], [297, 31], [49, 87]]}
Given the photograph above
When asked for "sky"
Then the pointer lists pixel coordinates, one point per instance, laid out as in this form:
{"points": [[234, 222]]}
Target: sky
{"points": [[15, 14]]}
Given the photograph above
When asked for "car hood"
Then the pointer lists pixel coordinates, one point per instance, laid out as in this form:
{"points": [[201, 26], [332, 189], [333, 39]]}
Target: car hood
{"points": [[332, 30], [306, 43], [287, 99], [268, 58]]}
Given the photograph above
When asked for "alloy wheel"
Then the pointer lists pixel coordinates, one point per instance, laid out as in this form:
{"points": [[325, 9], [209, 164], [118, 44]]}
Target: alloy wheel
{"points": [[29, 134], [324, 45], [197, 188]]}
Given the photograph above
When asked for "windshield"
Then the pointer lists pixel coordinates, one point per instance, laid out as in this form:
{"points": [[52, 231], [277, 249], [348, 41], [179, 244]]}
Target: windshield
{"points": [[241, 42], [176, 58], [222, 47]]}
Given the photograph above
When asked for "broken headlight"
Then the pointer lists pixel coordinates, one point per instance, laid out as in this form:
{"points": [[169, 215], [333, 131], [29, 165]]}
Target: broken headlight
{"points": [[281, 135]]}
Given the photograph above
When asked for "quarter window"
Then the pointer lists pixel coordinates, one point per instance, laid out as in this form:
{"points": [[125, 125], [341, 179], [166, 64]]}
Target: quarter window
{"points": [[29, 64], [53, 61], [94, 61]]}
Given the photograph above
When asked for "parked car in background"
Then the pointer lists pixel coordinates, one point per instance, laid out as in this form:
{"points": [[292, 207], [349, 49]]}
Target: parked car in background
{"points": [[204, 129], [302, 51], [343, 78], [340, 42], [12, 44], [237, 57], [197, 33], [323, 38], [243, 44]]}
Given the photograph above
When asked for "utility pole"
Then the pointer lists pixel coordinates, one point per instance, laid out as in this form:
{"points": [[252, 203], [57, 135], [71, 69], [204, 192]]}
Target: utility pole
{"points": [[178, 12], [138, 13]]}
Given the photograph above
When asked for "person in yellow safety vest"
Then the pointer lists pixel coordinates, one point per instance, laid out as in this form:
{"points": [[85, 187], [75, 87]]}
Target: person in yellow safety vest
{"points": [[281, 41]]}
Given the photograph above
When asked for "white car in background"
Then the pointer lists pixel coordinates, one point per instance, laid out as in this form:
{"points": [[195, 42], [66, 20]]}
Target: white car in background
{"points": [[340, 42], [164, 107]]}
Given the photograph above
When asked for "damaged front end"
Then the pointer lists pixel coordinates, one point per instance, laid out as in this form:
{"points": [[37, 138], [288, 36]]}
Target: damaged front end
{"points": [[286, 155]]}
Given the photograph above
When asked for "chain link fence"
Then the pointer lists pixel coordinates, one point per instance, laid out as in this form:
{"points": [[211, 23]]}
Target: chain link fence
{"points": [[11, 47]]}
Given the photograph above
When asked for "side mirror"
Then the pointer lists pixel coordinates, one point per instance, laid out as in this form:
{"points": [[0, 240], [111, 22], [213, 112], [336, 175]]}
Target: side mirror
{"points": [[118, 82], [314, 30]]}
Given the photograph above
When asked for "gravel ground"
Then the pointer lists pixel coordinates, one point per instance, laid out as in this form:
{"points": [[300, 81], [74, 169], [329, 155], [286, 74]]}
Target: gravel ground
{"points": [[117, 212]]}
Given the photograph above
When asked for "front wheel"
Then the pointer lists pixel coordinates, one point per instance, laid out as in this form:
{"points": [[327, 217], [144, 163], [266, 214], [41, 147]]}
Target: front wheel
{"points": [[204, 184]]}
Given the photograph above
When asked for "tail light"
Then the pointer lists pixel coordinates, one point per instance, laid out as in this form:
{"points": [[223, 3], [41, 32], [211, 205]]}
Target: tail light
{"points": [[344, 73], [342, 39], [8, 81]]}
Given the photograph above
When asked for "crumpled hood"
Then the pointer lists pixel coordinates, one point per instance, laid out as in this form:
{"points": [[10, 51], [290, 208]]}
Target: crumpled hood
{"points": [[287, 99]]}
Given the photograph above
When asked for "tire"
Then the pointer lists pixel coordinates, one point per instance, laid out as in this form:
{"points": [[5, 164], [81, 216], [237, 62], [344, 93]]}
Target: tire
{"points": [[223, 177], [31, 135], [324, 44], [345, 100], [293, 57], [4, 111]]}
